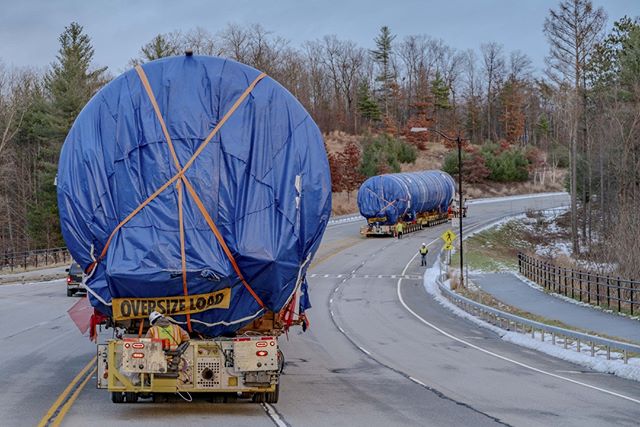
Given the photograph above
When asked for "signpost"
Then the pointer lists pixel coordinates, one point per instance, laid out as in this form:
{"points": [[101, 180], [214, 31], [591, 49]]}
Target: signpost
{"points": [[448, 237]]}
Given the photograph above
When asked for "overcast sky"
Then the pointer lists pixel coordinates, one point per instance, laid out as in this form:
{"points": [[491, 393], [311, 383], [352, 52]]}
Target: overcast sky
{"points": [[118, 28]]}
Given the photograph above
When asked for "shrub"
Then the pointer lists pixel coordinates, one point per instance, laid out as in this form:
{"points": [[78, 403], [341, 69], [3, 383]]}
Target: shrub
{"points": [[491, 162], [384, 154]]}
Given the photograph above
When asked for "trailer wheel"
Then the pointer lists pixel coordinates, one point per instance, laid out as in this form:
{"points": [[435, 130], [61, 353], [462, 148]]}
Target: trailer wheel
{"points": [[272, 396], [231, 398], [217, 398], [117, 397], [131, 397], [69, 292]]}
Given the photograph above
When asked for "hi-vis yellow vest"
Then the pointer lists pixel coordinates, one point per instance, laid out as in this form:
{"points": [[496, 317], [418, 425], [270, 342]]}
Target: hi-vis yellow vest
{"points": [[169, 333], [423, 251]]}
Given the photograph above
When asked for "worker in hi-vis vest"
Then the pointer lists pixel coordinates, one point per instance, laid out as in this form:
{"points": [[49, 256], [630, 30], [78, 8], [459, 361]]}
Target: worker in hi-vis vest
{"points": [[161, 328], [423, 252], [399, 230]]}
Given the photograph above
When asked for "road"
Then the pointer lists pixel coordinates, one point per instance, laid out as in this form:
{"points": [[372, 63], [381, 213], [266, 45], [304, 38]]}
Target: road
{"points": [[367, 360]]}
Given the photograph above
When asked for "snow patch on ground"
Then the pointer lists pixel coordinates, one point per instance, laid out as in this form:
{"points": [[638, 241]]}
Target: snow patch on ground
{"points": [[558, 248], [45, 283], [510, 198], [598, 363]]}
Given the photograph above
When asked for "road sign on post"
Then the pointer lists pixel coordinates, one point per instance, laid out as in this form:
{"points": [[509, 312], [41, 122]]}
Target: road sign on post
{"points": [[448, 237]]}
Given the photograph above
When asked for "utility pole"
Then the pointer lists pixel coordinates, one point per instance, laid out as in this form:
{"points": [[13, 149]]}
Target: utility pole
{"points": [[458, 141]]}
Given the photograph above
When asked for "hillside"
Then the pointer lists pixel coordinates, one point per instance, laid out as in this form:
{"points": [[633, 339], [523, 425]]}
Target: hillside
{"points": [[433, 158]]}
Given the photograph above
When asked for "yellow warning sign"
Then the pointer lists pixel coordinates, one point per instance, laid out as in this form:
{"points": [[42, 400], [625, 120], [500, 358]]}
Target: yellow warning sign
{"points": [[139, 308], [448, 236], [448, 247]]}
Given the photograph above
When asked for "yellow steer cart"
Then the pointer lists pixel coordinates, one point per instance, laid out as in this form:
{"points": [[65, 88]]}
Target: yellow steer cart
{"points": [[226, 368]]}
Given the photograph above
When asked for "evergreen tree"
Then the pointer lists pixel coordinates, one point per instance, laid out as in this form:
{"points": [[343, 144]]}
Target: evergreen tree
{"points": [[382, 55], [160, 46], [440, 93], [69, 84], [367, 106]]}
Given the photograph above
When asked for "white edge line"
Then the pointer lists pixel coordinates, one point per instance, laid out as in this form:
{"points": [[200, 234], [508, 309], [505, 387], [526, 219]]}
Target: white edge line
{"points": [[271, 412], [490, 353], [364, 350]]}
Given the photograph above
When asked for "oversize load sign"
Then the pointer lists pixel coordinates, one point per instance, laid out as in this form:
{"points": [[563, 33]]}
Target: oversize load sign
{"points": [[139, 308]]}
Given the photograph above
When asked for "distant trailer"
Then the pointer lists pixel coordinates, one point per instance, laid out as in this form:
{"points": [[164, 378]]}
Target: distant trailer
{"points": [[428, 219], [415, 200]]}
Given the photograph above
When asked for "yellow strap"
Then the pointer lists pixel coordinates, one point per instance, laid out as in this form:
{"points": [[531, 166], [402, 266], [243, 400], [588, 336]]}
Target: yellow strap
{"points": [[180, 175]]}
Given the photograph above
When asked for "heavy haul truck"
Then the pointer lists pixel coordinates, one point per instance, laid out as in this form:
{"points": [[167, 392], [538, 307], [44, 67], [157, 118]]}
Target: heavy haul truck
{"points": [[406, 201], [197, 187]]}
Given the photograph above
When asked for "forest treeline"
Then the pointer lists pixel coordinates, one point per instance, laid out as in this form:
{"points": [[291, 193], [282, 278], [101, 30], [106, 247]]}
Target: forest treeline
{"points": [[582, 112]]}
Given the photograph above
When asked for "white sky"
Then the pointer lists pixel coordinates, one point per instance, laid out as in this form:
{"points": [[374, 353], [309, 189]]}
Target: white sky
{"points": [[118, 28]]}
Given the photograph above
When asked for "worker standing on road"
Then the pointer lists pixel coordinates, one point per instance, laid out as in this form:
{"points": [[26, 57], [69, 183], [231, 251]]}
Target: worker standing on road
{"points": [[399, 230], [162, 328], [423, 252]]}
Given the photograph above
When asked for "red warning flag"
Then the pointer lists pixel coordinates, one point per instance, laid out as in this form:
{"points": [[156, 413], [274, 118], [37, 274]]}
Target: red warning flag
{"points": [[81, 313]]}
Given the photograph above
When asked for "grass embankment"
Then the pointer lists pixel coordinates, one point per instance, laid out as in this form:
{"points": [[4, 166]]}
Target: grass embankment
{"points": [[496, 249]]}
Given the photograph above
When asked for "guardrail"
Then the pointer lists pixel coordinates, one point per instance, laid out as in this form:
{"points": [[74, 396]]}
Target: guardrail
{"points": [[582, 285], [558, 335], [52, 256], [345, 218], [35, 258]]}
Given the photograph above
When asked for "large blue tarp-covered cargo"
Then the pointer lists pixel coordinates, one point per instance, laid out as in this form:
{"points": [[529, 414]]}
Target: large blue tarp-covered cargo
{"points": [[392, 197], [262, 182]]}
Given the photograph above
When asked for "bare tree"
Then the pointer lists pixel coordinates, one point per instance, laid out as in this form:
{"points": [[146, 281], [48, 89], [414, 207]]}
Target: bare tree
{"points": [[572, 31], [494, 68]]}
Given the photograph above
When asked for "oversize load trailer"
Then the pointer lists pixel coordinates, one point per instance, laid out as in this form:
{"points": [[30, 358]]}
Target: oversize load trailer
{"points": [[200, 188], [416, 200]]}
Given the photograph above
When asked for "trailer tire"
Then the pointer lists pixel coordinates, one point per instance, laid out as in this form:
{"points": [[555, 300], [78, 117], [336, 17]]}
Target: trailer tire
{"points": [[117, 397], [217, 398], [69, 292], [258, 397], [131, 397], [272, 396]]}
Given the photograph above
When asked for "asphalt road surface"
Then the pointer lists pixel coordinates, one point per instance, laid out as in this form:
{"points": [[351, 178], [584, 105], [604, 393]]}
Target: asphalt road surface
{"points": [[366, 361]]}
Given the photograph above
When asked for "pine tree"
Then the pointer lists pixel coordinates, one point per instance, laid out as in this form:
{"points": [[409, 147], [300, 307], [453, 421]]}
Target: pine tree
{"points": [[440, 93], [382, 55], [69, 84], [161, 46], [367, 106]]}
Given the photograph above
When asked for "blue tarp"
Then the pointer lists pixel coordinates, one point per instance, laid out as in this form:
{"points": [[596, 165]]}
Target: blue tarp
{"points": [[264, 180], [392, 197]]}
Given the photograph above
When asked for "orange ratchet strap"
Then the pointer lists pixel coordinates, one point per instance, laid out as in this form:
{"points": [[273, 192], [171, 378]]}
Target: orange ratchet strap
{"points": [[183, 180]]}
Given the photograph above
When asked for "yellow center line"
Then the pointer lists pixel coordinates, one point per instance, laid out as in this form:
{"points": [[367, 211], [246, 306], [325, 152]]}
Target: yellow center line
{"points": [[67, 405], [336, 250], [45, 420], [72, 399]]}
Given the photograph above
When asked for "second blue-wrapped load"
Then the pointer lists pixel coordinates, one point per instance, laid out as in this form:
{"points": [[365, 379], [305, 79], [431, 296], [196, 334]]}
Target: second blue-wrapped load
{"points": [[390, 198]]}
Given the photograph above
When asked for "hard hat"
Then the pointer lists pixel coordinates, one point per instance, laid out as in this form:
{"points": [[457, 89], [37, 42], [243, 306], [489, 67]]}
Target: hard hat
{"points": [[153, 316], [424, 244]]}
